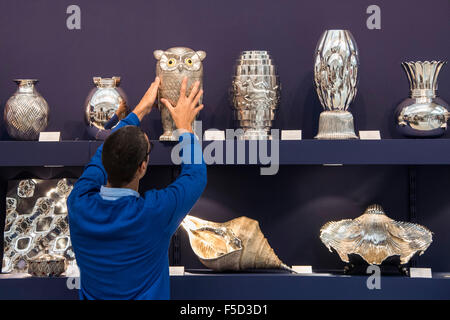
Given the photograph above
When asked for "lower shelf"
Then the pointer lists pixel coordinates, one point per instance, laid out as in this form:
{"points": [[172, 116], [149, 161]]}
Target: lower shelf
{"points": [[254, 286]]}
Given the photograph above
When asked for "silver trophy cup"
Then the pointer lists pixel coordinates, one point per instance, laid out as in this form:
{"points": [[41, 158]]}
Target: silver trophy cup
{"points": [[255, 94], [336, 79]]}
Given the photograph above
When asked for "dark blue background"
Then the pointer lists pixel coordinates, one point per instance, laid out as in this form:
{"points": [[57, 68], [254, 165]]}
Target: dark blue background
{"points": [[118, 38]]}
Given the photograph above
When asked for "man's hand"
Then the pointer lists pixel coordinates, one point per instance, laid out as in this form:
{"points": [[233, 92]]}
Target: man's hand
{"points": [[121, 112], [148, 100], [186, 109]]}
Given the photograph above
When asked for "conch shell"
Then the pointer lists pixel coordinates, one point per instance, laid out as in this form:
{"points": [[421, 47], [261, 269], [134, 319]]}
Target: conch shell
{"points": [[375, 237], [234, 245]]}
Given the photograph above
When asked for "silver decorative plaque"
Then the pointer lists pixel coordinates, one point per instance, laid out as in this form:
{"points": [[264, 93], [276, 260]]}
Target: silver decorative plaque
{"points": [[37, 227]]}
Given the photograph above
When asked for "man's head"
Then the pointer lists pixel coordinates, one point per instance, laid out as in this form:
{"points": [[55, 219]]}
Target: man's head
{"points": [[125, 156]]}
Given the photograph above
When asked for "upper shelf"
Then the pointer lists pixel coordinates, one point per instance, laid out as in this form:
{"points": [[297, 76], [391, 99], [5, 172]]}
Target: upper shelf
{"points": [[304, 152]]}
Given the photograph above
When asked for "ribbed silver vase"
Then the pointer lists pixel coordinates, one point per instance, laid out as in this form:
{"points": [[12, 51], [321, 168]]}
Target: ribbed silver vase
{"points": [[423, 113], [336, 78], [255, 94], [26, 112]]}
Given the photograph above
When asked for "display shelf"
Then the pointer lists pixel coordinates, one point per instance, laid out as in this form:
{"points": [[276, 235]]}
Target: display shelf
{"points": [[34, 153], [304, 152], [254, 286]]}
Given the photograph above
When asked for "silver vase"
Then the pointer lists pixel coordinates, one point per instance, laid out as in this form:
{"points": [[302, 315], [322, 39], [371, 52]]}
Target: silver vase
{"points": [[26, 112], [423, 113], [255, 94], [336, 78], [102, 104]]}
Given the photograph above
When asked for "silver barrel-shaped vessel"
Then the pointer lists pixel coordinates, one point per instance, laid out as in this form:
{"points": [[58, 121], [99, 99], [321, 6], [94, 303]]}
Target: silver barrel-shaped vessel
{"points": [[255, 94], [423, 114], [336, 79]]}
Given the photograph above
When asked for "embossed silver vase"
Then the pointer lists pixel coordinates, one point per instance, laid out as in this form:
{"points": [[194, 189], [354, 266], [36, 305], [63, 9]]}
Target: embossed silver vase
{"points": [[26, 112], [423, 114], [255, 94], [336, 79], [102, 107]]}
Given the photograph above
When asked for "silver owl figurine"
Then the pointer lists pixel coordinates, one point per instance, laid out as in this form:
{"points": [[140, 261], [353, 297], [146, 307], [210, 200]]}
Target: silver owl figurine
{"points": [[173, 65]]}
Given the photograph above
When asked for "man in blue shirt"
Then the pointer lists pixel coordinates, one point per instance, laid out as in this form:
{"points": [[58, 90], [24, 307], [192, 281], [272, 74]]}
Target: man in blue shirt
{"points": [[121, 238]]}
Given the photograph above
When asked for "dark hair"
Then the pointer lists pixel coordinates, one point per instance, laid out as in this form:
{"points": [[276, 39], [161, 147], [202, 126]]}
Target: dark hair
{"points": [[123, 152]]}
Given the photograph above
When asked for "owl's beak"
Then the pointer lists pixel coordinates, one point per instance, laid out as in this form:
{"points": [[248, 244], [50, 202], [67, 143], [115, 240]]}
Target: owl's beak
{"points": [[180, 67]]}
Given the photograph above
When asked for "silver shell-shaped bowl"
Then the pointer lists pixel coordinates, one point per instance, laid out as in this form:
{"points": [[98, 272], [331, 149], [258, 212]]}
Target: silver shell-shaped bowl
{"points": [[375, 237]]}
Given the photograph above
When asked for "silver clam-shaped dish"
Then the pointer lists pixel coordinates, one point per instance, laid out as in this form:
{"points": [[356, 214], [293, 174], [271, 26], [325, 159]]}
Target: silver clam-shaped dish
{"points": [[234, 245], [375, 237]]}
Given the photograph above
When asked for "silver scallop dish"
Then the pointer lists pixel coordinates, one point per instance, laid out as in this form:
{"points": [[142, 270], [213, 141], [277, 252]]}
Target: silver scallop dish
{"points": [[26, 113], [336, 79], [102, 104], [423, 114], [375, 237], [255, 94]]}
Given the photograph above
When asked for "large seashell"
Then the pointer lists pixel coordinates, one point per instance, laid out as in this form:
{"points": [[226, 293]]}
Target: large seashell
{"points": [[234, 245], [375, 237]]}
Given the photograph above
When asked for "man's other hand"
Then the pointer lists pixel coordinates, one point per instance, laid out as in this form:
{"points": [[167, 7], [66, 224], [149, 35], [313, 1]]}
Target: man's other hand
{"points": [[186, 109], [148, 100]]}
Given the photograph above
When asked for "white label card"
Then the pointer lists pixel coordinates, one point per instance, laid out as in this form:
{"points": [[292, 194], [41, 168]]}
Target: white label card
{"points": [[302, 269], [176, 271], [420, 273], [291, 134], [214, 135], [369, 135], [49, 136]]}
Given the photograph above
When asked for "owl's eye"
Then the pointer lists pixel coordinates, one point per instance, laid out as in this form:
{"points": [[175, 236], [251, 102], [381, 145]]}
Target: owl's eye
{"points": [[171, 62], [189, 61]]}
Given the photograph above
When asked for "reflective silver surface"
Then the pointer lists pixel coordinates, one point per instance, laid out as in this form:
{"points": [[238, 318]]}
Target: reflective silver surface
{"points": [[172, 66], [255, 94], [336, 78], [102, 103], [375, 237], [423, 113], [26, 113], [36, 227]]}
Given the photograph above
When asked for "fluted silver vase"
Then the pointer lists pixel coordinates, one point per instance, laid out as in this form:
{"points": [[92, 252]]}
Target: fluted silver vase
{"points": [[423, 113], [255, 94], [102, 104], [336, 79], [26, 113]]}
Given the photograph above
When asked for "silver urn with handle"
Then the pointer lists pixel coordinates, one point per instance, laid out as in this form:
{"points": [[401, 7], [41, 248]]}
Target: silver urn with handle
{"points": [[104, 108], [423, 114], [26, 113], [255, 94], [336, 79]]}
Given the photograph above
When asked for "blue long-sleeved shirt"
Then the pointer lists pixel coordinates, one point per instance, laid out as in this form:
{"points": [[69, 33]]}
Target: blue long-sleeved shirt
{"points": [[121, 246]]}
